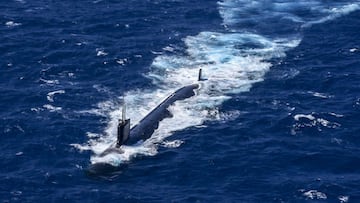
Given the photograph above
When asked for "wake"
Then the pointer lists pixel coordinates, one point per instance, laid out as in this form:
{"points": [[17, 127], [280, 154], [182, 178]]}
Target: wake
{"points": [[232, 62]]}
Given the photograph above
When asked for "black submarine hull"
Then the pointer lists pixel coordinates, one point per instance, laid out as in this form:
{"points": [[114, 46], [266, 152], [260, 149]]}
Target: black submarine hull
{"points": [[144, 129]]}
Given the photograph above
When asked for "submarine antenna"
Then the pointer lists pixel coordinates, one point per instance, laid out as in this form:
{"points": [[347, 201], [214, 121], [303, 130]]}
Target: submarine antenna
{"points": [[123, 113], [200, 75]]}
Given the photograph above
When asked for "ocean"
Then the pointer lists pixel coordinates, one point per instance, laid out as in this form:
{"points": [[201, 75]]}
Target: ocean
{"points": [[277, 119]]}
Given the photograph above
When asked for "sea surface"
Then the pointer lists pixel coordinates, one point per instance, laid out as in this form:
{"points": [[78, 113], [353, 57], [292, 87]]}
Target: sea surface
{"points": [[277, 120]]}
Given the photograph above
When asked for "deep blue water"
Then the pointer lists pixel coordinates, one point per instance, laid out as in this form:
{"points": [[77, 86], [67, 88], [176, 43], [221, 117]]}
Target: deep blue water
{"points": [[276, 121]]}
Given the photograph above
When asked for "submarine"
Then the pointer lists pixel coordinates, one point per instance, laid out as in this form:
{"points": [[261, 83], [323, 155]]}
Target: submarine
{"points": [[144, 128]]}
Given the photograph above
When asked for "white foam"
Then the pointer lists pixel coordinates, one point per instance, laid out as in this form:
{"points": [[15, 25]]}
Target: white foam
{"points": [[231, 61], [323, 122], [172, 144], [343, 199], [71, 75], [38, 109], [229, 68], [52, 108], [129, 153], [19, 153], [92, 135], [50, 95], [122, 61], [304, 13], [336, 115], [314, 194], [239, 11], [229, 116], [299, 116], [78, 166], [101, 88], [335, 13], [50, 82], [12, 24], [81, 147], [316, 121], [156, 52], [169, 49], [100, 52], [321, 95], [311, 121]]}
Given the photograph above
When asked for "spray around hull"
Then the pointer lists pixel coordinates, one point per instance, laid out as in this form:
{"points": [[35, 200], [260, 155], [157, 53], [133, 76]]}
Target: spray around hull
{"points": [[145, 128]]}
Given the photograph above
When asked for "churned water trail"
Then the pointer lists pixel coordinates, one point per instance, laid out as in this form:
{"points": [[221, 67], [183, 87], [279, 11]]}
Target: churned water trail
{"points": [[275, 121], [255, 32]]}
